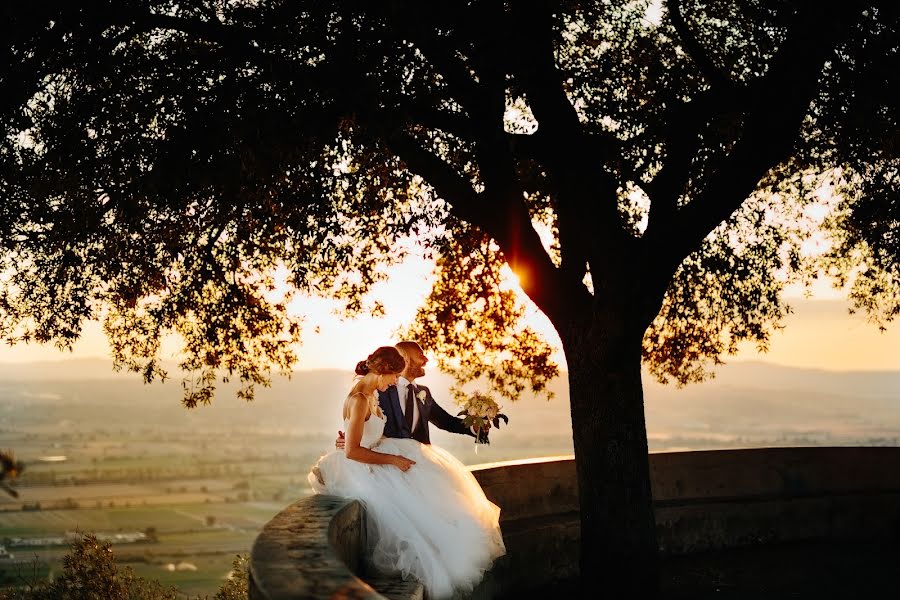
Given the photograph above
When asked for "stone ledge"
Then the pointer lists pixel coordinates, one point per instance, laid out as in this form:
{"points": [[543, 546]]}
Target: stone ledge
{"points": [[307, 550], [693, 527], [704, 500], [397, 589]]}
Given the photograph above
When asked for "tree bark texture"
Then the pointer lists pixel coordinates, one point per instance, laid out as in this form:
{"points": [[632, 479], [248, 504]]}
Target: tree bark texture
{"points": [[618, 529]]}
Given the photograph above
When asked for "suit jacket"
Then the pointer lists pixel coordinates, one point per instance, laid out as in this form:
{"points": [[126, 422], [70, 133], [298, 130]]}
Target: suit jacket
{"points": [[429, 412]]}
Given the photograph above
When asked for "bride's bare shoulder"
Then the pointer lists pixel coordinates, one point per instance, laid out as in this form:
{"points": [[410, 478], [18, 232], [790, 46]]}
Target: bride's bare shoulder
{"points": [[357, 398], [356, 402]]}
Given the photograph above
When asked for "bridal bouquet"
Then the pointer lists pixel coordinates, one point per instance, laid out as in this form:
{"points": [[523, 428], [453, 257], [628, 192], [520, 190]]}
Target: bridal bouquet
{"points": [[480, 410]]}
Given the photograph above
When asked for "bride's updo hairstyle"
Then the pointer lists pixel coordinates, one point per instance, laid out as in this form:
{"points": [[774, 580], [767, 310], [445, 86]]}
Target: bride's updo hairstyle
{"points": [[386, 360]]}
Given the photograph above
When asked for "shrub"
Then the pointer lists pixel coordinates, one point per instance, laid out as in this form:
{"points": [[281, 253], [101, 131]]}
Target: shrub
{"points": [[90, 573], [235, 588]]}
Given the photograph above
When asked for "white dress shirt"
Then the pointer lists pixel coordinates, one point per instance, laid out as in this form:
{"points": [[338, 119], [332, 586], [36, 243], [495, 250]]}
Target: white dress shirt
{"points": [[402, 385]]}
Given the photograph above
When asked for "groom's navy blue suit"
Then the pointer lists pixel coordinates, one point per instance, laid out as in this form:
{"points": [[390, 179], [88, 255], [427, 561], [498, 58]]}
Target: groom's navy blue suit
{"points": [[429, 411]]}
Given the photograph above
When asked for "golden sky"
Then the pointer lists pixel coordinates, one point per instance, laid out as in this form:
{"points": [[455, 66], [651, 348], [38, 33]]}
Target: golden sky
{"points": [[820, 334]]}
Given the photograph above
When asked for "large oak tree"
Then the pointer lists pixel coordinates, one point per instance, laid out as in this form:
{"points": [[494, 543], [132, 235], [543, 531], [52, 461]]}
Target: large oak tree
{"points": [[161, 160]]}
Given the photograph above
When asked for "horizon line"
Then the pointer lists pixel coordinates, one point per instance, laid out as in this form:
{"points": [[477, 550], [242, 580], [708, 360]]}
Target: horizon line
{"points": [[348, 370]]}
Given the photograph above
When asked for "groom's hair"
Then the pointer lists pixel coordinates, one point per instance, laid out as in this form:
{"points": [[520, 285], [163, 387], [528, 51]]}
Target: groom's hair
{"points": [[406, 346]]}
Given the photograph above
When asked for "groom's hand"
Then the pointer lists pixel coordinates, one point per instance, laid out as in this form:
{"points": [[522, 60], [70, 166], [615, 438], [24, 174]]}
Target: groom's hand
{"points": [[340, 441]]}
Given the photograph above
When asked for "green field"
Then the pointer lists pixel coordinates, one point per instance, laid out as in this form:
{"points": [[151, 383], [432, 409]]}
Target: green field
{"points": [[182, 537], [211, 572], [202, 496], [109, 520]]}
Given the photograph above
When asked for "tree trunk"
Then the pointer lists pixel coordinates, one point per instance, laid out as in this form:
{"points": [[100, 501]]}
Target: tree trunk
{"points": [[618, 526]]}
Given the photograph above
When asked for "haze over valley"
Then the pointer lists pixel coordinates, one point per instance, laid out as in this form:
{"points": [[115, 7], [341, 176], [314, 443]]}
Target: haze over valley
{"points": [[180, 492]]}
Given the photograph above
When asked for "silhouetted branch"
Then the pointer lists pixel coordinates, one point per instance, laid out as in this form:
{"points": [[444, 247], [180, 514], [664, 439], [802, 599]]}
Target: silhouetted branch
{"points": [[776, 106], [711, 72], [500, 214]]}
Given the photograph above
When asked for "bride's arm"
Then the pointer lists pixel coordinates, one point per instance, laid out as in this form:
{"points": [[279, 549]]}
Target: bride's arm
{"points": [[359, 408]]}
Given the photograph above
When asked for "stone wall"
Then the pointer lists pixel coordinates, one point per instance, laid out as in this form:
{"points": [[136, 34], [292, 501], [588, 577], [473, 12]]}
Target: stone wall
{"points": [[310, 550], [729, 498], [703, 501]]}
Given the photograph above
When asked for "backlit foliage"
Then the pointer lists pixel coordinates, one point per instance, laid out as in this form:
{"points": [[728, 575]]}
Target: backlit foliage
{"points": [[474, 319], [161, 161], [730, 291]]}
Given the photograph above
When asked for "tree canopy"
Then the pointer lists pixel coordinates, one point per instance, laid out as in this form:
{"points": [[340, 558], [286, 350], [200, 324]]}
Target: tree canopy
{"points": [[160, 160]]}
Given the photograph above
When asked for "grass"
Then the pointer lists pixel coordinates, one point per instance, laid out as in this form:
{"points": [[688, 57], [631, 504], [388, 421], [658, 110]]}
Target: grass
{"points": [[171, 518], [210, 574]]}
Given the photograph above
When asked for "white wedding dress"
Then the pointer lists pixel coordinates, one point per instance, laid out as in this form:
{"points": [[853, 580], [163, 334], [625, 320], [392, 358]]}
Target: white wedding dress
{"points": [[431, 523]]}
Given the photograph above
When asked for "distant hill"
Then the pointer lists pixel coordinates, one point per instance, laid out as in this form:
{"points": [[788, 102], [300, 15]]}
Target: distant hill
{"points": [[66, 369], [741, 374], [764, 375], [746, 399]]}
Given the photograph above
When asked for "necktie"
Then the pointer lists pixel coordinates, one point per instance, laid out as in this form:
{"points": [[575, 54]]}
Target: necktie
{"points": [[408, 410]]}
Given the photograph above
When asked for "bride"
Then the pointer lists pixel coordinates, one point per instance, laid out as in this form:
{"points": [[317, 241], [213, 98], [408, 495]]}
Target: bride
{"points": [[428, 518]]}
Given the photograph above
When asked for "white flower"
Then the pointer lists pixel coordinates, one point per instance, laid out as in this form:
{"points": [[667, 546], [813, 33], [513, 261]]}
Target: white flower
{"points": [[481, 405], [422, 395]]}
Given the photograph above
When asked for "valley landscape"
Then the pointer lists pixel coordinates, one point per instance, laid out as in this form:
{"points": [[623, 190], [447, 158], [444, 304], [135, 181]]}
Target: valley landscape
{"points": [[180, 492]]}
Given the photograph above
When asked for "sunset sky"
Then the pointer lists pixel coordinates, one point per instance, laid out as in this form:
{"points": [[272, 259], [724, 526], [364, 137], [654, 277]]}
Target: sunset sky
{"points": [[820, 334]]}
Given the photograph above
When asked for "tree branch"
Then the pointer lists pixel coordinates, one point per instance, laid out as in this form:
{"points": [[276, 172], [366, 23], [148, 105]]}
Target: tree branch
{"points": [[507, 221], [510, 222], [413, 21], [684, 125], [536, 70], [502, 215], [586, 202], [450, 185], [453, 123], [710, 71], [213, 31], [775, 110]]}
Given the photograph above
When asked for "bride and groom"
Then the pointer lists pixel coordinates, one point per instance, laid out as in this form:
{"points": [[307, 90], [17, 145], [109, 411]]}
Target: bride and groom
{"points": [[428, 518], [409, 407]]}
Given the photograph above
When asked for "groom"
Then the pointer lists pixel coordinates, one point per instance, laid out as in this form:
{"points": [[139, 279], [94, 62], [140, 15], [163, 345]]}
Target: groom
{"points": [[408, 407]]}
